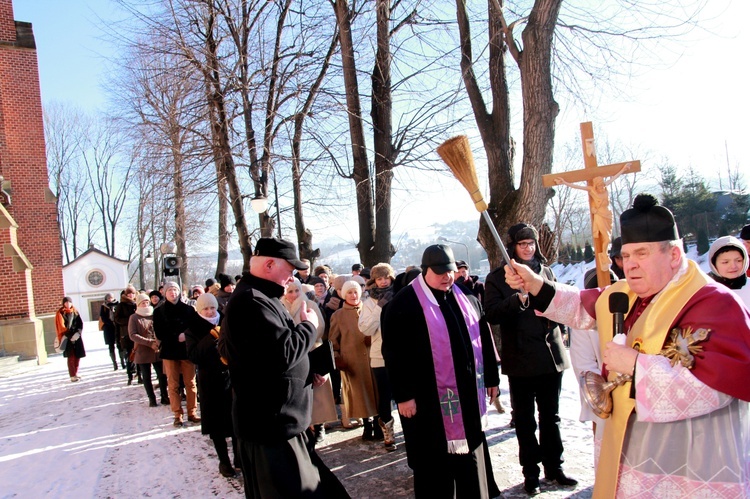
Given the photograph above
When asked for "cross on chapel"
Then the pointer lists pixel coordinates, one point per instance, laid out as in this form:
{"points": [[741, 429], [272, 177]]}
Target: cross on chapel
{"points": [[601, 216]]}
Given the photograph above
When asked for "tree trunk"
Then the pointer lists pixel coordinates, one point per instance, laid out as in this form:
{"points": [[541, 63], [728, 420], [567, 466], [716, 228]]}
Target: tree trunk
{"points": [[508, 205], [304, 235], [179, 209], [361, 170], [381, 112], [223, 235], [221, 143]]}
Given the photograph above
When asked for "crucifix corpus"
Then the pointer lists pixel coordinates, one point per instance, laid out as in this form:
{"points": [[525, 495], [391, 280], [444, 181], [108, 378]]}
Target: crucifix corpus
{"points": [[601, 215]]}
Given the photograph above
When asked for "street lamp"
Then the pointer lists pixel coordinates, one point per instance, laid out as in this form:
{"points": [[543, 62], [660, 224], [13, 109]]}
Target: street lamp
{"points": [[149, 257], [468, 261], [259, 204]]}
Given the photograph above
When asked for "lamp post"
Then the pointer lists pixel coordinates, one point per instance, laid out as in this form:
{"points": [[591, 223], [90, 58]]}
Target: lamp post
{"points": [[259, 204], [468, 261], [148, 260]]}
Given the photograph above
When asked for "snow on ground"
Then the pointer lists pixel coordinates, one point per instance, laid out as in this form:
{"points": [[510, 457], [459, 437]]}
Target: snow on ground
{"points": [[98, 438]]}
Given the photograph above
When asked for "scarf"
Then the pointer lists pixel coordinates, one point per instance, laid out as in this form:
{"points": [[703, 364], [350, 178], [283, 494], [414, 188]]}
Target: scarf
{"points": [[145, 311], [384, 294], [736, 283], [534, 264], [293, 306], [213, 320], [442, 357]]}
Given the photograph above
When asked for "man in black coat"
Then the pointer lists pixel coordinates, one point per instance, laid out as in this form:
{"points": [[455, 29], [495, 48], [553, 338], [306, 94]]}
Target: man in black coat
{"points": [[268, 362], [439, 356], [470, 282], [170, 322], [533, 359]]}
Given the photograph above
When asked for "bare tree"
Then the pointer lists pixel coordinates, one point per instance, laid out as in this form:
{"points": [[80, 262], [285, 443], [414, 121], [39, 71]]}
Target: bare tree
{"points": [[63, 134], [108, 167]]}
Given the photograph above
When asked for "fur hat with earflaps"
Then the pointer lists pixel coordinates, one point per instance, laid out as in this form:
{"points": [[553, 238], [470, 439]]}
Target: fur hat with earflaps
{"points": [[381, 270], [521, 232]]}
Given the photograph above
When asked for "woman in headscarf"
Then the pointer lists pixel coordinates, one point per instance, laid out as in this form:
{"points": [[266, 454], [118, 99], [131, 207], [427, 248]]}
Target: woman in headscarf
{"points": [[69, 325], [729, 262], [214, 385], [324, 408], [146, 348], [351, 351]]}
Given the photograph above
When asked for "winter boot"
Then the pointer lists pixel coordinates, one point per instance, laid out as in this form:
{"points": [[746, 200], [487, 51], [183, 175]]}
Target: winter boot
{"points": [[377, 432], [227, 470], [367, 433], [389, 440], [152, 401]]}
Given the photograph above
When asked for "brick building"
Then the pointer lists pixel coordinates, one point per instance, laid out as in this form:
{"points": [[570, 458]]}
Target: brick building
{"points": [[31, 258]]}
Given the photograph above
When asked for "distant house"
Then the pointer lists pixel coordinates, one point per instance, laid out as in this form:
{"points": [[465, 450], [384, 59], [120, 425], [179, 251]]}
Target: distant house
{"points": [[91, 276]]}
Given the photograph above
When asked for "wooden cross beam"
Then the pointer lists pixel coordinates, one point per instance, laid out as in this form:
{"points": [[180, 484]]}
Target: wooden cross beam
{"points": [[601, 215]]}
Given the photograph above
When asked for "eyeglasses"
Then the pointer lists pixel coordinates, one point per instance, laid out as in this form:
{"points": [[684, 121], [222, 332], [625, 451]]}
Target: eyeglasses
{"points": [[524, 244]]}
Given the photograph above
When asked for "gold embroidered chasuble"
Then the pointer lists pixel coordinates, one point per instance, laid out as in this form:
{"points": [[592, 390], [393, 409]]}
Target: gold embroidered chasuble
{"points": [[649, 332]]}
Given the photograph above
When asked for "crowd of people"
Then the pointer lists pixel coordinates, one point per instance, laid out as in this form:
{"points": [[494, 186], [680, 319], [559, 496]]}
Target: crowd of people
{"points": [[423, 340]]}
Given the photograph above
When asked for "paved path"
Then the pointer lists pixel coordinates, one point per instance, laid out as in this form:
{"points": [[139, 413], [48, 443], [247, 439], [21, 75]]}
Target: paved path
{"points": [[121, 448]]}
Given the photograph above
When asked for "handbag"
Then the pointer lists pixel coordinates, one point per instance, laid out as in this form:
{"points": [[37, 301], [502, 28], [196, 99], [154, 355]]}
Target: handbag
{"points": [[321, 359], [131, 355], [101, 324], [63, 344]]}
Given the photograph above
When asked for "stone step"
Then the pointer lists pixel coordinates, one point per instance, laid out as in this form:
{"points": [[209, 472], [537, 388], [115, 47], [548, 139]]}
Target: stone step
{"points": [[10, 365], [8, 360]]}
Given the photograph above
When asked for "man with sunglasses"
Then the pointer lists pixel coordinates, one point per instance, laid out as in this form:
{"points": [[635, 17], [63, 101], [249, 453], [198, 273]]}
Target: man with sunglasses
{"points": [[533, 358]]}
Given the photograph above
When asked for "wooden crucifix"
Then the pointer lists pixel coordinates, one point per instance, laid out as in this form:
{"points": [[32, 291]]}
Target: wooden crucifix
{"points": [[601, 215]]}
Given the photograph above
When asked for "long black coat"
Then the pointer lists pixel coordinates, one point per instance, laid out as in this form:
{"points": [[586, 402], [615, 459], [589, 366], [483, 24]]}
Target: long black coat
{"points": [[170, 320], [214, 385], [123, 311], [73, 324], [106, 312], [531, 345], [268, 362], [411, 371]]}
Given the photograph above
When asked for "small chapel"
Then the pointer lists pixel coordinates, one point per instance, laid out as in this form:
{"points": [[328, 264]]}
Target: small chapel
{"points": [[30, 252]]}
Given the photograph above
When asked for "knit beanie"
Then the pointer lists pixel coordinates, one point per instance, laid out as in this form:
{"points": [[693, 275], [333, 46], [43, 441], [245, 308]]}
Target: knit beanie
{"points": [[339, 281], [350, 285], [226, 280], [206, 300]]}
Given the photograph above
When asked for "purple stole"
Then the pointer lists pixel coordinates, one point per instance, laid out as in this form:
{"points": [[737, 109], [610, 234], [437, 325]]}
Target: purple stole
{"points": [[442, 358]]}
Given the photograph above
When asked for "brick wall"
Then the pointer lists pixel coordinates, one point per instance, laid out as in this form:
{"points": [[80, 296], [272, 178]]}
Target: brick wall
{"points": [[7, 24], [23, 163]]}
